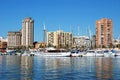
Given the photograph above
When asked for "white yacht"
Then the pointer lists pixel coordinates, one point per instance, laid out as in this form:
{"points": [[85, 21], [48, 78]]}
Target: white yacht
{"points": [[74, 53], [108, 53], [90, 53], [117, 53], [77, 53], [99, 53], [55, 53], [94, 53], [28, 53]]}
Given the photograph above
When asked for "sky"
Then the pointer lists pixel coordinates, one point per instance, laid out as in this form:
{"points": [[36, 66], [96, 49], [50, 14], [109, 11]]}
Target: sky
{"points": [[66, 15]]}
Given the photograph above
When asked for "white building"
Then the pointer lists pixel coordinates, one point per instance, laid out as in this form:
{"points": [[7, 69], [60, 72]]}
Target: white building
{"points": [[3, 39], [27, 32], [116, 43], [81, 41]]}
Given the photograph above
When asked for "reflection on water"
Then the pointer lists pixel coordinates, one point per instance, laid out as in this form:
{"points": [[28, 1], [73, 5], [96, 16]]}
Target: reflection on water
{"points": [[26, 67], [15, 68], [104, 68], [58, 68]]}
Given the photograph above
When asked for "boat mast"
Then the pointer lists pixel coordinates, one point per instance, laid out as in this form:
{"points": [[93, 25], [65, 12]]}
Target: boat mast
{"points": [[89, 34]]}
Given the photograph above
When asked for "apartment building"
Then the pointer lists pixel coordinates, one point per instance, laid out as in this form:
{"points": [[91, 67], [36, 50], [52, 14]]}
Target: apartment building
{"points": [[104, 32], [59, 39], [27, 31], [14, 40]]}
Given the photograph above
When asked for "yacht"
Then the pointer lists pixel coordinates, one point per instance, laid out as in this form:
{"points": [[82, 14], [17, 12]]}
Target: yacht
{"points": [[74, 53], [108, 53], [90, 53], [99, 53], [117, 53], [94, 53], [77, 53], [55, 53]]}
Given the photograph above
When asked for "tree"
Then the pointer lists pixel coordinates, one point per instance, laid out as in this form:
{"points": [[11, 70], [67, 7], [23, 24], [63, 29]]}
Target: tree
{"points": [[111, 45], [50, 45], [34, 43]]}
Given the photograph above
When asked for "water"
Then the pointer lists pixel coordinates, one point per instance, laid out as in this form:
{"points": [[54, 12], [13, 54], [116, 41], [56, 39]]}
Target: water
{"points": [[59, 68]]}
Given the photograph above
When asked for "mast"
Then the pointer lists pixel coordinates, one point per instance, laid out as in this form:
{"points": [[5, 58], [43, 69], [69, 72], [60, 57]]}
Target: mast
{"points": [[89, 34]]}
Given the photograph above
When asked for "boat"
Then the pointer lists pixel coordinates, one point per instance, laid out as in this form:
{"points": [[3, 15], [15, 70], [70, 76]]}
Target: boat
{"points": [[52, 52], [74, 53], [117, 53], [94, 53], [99, 53], [3, 53], [28, 53], [77, 53], [90, 53], [109, 53], [55, 53]]}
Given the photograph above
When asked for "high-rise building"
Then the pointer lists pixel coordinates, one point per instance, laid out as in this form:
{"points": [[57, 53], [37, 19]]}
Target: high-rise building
{"points": [[45, 34], [59, 39], [14, 40], [27, 31], [104, 33]]}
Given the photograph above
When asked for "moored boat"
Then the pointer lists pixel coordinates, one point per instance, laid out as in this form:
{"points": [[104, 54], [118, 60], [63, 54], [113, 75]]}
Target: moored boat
{"points": [[94, 53], [117, 53], [55, 53], [108, 53], [99, 53], [90, 53], [74, 53], [66, 54]]}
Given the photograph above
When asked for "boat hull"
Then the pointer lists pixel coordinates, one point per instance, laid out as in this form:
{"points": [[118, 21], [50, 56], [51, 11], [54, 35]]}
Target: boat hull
{"points": [[62, 54]]}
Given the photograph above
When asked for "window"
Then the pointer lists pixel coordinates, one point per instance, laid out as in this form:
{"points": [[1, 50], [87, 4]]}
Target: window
{"points": [[101, 40]]}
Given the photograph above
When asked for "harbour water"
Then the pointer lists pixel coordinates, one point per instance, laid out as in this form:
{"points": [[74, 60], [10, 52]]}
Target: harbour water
{"points": [[59, 68]]}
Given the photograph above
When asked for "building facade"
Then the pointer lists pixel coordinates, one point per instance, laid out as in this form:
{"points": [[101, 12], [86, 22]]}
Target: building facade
{"points": [[81, 42], [116, 43], [3, 43], [14, 40], [27, 32], [104, 33], [59, 39]]}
